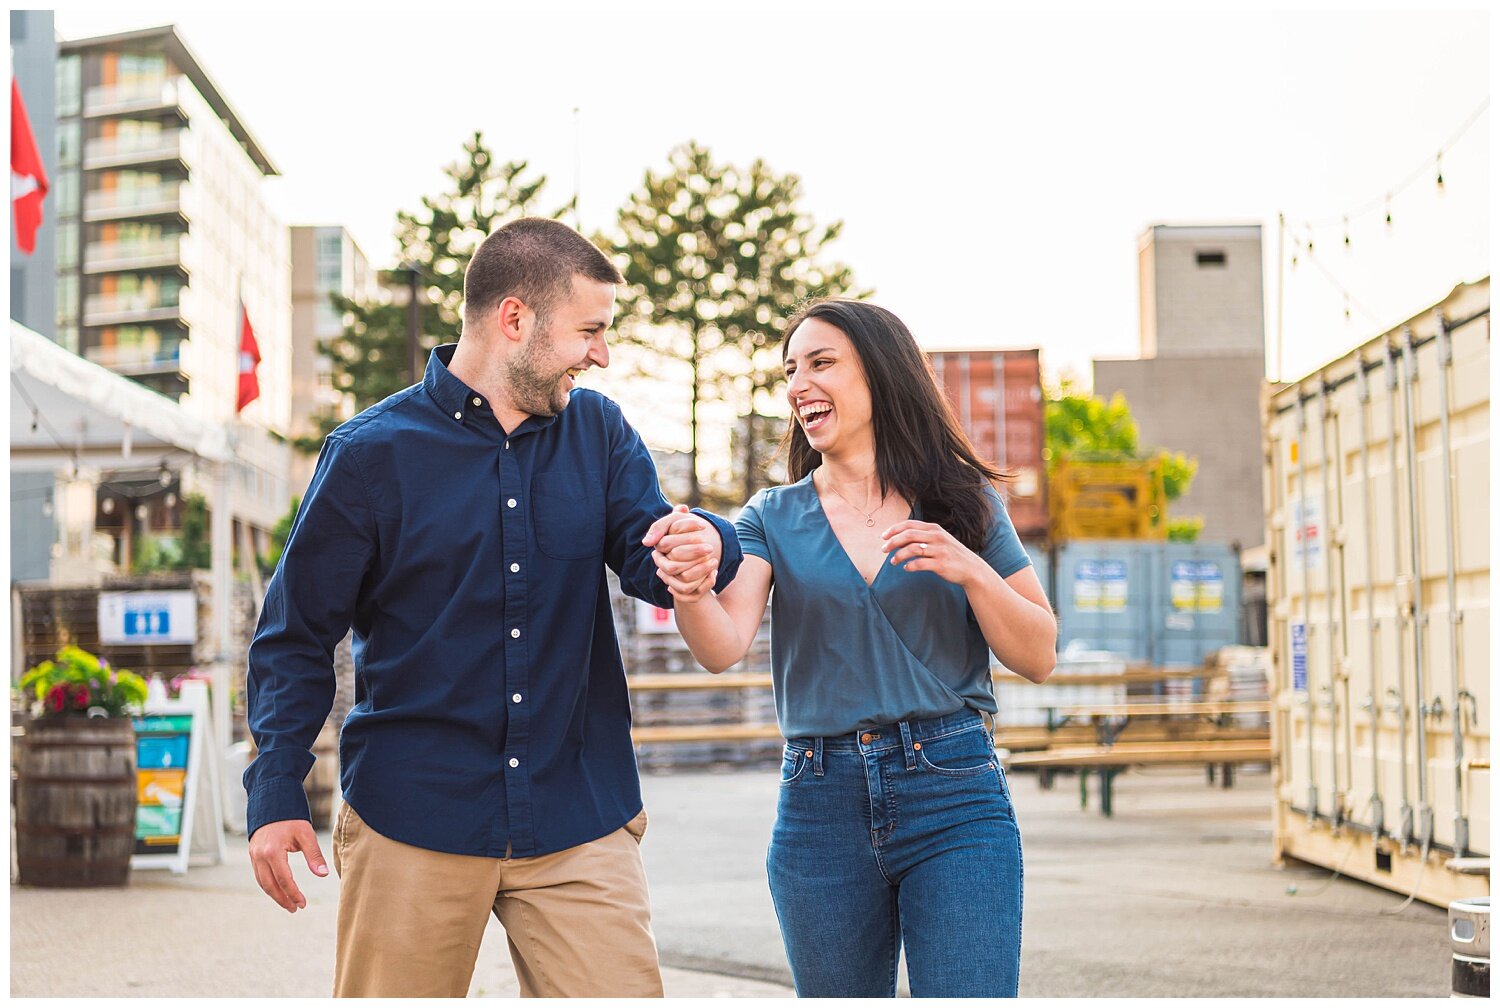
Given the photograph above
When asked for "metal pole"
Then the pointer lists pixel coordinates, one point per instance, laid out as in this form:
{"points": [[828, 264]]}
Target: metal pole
{"points": [[220, 543], [1455, 615], [1330, 536], [1300, 535], [1419, 615], [1398, 693], [1280, 293], [413, 327], [1377, 807]]}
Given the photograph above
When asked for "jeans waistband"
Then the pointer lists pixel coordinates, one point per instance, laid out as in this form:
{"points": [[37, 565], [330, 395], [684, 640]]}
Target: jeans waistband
{"points": [[889, 736]]}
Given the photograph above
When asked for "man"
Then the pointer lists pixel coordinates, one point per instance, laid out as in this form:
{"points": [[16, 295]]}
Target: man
{"points": [[462, 527]]}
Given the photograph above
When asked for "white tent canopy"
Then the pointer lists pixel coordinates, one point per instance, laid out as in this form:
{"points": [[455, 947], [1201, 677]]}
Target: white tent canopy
{"points": [[72, 416], [64, 407]]}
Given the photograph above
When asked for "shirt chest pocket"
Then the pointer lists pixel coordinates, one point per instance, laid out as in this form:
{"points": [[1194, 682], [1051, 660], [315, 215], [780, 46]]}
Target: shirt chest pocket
{"points": [[568, 509]]}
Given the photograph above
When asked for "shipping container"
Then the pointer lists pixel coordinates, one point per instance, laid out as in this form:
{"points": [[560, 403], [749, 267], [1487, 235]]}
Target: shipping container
{"points": [[1163, 603], [997, 395], [1104, 597], [1377, 493], [1196, 608]]}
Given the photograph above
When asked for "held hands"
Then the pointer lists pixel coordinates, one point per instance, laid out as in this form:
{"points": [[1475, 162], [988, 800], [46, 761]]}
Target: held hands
{"points": [[929, 547], [686, 552], [269, 850]]}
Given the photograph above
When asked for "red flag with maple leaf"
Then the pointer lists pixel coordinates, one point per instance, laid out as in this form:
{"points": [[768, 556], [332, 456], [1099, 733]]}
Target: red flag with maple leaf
{"points": [[249, 360], [28, 177]]}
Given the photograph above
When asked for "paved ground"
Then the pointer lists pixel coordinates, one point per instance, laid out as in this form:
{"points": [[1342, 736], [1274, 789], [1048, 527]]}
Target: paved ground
{"points": [[1174, 896]]}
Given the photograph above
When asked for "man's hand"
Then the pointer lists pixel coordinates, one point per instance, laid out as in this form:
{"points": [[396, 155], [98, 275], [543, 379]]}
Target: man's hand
{"points": [[687, 549], [269, 850]]}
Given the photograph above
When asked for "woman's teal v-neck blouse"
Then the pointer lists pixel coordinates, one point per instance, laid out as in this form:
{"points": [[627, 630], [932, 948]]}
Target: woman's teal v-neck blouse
{"points": [[846, 655]]}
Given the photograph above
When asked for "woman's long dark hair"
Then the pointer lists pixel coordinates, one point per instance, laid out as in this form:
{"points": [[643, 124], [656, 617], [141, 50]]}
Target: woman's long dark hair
{"points": [[920, 449]]}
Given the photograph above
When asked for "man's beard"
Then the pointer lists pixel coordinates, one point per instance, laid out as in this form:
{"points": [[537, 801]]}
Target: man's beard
{"points": [[532, 389]]}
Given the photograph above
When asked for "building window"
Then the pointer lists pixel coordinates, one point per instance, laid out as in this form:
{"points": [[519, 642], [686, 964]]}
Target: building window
{"points": [[69, 86], [1214, 259], [67, 337], [68, 142], [67, 244], [67, 193], [67, 297]]}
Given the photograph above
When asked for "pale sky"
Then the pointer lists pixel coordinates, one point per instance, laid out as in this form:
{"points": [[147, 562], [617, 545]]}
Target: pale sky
{"points": [[993, 169]]}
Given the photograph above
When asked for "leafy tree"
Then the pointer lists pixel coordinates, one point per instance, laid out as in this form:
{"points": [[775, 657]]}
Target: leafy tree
{"points": [[370, 358], [1086, 427], [194, 552], [715, 258], [279, 535]]}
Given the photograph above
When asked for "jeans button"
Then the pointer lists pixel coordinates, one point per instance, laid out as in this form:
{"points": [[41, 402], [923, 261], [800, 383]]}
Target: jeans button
{"points": [[867, 738]]}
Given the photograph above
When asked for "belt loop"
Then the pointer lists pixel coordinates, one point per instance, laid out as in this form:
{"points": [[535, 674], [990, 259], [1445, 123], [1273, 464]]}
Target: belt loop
{"points": [[911, 754], [818, 756], [989, 723]]}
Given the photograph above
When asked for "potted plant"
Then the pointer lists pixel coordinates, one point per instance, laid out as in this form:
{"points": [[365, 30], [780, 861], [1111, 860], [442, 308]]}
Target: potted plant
{"points": [[76, 775]]}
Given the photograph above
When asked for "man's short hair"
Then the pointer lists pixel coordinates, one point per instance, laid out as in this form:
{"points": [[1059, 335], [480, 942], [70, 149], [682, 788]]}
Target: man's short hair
{"points": [[533, 259]]}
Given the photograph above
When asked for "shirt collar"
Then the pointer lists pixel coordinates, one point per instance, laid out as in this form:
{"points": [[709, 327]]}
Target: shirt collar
{"points": [[456, 399]]}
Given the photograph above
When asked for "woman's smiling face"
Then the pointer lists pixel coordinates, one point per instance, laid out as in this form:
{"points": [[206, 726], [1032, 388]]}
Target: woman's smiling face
{"points": [[827, 389]]}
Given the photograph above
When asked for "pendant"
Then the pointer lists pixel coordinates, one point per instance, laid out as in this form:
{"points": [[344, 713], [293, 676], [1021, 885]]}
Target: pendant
{"points": [[869, 523]]}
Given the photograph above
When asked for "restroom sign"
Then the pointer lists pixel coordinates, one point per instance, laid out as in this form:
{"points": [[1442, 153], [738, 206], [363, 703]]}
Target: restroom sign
{"points": [[159, 617]]}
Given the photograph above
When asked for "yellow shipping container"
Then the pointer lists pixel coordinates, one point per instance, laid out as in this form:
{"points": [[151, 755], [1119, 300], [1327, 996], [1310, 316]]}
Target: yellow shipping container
{"points": [[1377, 492]]}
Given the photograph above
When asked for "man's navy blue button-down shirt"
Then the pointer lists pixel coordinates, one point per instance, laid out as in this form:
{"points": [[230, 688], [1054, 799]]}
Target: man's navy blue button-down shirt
{"points": [[491, 714]]}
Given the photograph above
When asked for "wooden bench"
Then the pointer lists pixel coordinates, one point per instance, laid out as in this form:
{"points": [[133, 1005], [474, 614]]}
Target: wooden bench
{"points": [[1111, 720], [1111, 760]]}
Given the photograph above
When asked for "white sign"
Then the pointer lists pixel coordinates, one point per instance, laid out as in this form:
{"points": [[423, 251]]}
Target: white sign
{"points": [[148, 617], [650, 619]]}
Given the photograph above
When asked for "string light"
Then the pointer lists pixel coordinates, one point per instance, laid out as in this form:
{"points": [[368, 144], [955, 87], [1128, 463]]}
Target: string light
{"points": [[1413, 177]]}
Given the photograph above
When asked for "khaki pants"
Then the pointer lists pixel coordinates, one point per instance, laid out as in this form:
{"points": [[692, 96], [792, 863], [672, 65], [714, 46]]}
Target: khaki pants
{"points": [[410, 920]]}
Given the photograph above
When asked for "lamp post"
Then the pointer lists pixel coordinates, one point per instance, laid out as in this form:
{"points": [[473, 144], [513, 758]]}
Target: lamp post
{"points": [[404, 283]]}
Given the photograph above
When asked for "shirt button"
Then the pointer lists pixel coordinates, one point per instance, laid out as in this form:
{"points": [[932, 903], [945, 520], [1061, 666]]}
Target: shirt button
{"points": [[515, 698], [458, 416], [511, 502], [514, 568], [477, 402], [514, 762], [515, 633], [507, 446]]}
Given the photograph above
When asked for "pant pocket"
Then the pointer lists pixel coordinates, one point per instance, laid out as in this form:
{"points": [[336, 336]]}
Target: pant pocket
{"points": [[637, 826]]}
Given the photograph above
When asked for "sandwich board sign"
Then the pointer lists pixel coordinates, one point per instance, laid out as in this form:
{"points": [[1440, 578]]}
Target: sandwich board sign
{"points": [[179, 805]]}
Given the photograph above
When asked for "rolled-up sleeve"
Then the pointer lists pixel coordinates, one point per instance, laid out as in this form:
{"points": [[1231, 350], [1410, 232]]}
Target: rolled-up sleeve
{"points": [[309, 606], [633, 501]]}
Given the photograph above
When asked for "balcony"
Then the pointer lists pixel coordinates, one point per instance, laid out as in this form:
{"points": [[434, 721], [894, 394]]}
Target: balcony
{"points": [[172, 199], [128, 309], [139, 360], [132, 97], [122, 151], [142, 254]]}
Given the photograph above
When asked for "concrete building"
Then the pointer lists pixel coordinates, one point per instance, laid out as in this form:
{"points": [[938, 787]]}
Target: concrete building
{"points": [[33, 51], [174, 229], [325, 261], [1195, 387], [163, 233]]}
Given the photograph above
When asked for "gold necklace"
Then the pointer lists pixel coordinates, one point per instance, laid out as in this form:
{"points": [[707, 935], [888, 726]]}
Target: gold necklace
{"points": [[869, 515]]}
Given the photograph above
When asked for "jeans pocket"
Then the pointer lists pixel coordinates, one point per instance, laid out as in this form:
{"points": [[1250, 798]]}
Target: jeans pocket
{"points": [[965, 753], [794, 762]]}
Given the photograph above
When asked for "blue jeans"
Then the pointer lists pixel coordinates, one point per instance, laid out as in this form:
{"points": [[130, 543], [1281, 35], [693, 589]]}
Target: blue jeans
{"points": [[901, 834]]}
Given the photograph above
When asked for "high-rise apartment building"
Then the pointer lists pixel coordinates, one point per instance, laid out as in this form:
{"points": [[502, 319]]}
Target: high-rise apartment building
{"points": [[1196, 386], [163, 229], [325, 261]]}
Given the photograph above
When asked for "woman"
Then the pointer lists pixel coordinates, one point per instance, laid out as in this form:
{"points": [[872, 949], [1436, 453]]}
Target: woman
{"points": [[896, 572]]}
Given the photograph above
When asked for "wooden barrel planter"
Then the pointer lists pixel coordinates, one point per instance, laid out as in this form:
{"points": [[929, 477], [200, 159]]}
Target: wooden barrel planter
{"points": [[75, 802]]}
